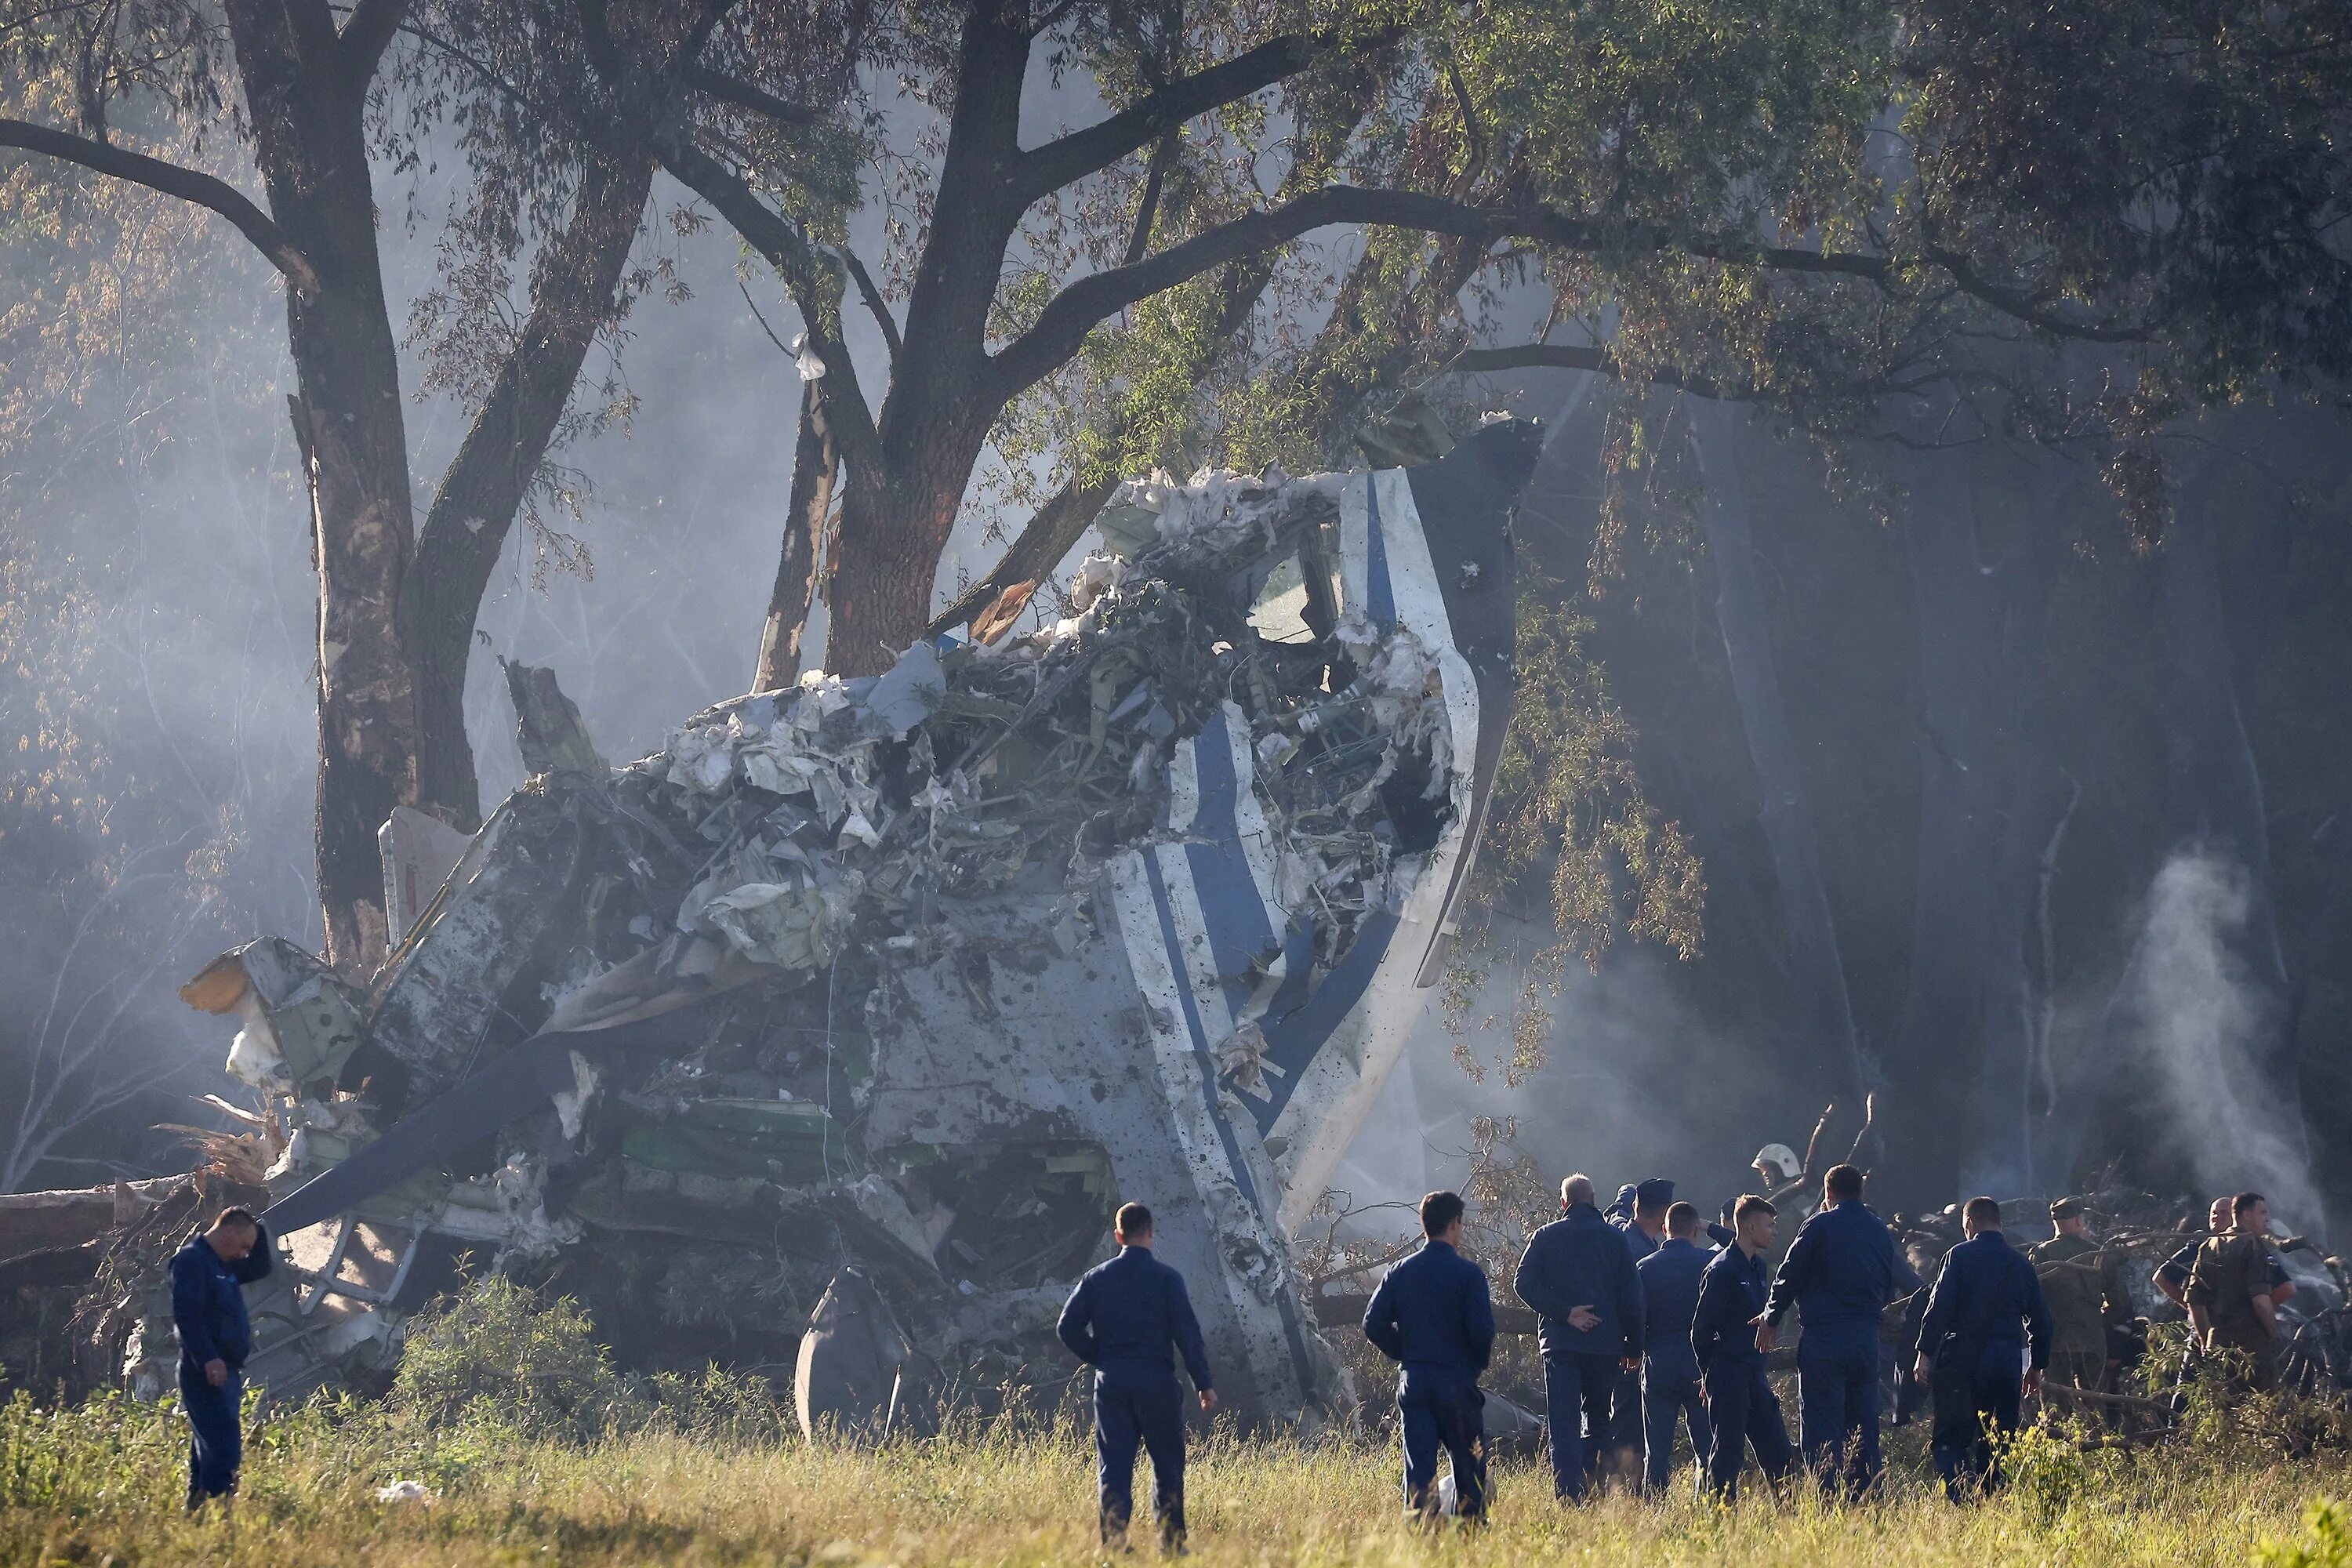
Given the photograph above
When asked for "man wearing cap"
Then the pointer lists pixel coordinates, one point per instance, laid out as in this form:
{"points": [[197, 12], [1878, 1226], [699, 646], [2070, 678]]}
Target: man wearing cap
{"points": [[1577, 1274], [1644, 1223], [1434, 1317], [1670, 1392], [1740, 1405], [1987, 1322], [1840, 1274], [1129, 1318], [2075, 1279]]}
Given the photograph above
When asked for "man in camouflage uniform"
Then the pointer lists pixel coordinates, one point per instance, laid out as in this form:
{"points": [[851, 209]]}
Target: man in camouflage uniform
{"points": [[2075, 1282], [2230, 1304]]}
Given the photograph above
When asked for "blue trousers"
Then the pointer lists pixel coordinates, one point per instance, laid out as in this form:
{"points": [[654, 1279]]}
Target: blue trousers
{"points": [[1448, 1412], [1625, 1426], [1668, 1399], [1746, 1413], [1976, 1395], [1150, 1411], [216, 1444], [1580, 1391], [1837, 1402]]}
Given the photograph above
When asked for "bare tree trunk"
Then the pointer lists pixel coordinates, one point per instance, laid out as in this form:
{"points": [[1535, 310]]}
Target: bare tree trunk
{"points": [[1816, 972], [1966, 1070], [474, 510], [2215, 809], [310, 147], [817, 468]]}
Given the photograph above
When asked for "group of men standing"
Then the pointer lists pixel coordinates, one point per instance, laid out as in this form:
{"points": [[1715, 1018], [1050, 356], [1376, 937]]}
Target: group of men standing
{"points": [[1645, 1332]]}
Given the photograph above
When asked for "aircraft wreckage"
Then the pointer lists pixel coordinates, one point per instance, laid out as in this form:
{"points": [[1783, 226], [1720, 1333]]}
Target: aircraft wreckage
{"points": [[833, 1032]]}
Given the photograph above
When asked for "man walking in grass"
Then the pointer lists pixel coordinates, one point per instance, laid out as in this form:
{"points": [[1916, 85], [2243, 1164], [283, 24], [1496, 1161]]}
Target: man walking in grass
{"points": [[1434, 1317], [208, 1280], [1129, 1320]]}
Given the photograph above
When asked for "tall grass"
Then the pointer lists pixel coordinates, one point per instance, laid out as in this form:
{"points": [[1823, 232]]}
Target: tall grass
{"points": [[105, 1482], [536, 1448]]}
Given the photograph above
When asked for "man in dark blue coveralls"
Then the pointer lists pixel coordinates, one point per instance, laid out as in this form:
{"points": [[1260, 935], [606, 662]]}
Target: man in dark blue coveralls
{"points": [[1982, 1345], [1122, 1321], [1577, 1274], [208, 1280], [1670, 1393], [1740, 1404], [1640, 1216], [1434, 1316], [1840, 1274]]}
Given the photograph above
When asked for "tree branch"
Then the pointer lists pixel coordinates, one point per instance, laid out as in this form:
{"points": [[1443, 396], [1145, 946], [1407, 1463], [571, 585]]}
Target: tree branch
{"points": [[746, 95], [874, 303], [171, 179], [367, 32], [1061, 326], [790, 253], [1046, 169], [1599, 359], [1147, 207]]}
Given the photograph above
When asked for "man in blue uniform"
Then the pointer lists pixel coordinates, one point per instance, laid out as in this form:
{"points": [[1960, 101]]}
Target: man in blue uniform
{"points": [[1982, 1345], [1724, 1341], [1128, 1318], [208, 1280], [1840, 1274], [1434, 1316], [1670, 1393], [1577, 1274], [1640, 1215]]}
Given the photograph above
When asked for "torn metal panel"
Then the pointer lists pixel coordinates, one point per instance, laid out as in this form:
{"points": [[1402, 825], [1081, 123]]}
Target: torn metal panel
{"points": [[419, 852], [896, 985]]}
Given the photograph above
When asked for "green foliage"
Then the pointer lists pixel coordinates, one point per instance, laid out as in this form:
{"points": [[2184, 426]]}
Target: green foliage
{"points": [[497, 1354], [497, 1361], [73, 1460], [1569, 808], [2327, 1540]]}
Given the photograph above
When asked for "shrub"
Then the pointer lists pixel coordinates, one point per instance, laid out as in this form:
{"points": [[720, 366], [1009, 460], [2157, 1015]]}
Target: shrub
{"points": [[496, 1354]]}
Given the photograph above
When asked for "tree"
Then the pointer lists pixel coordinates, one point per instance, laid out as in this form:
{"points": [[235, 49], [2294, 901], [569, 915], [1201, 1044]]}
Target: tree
{"points": [[396, 602]]}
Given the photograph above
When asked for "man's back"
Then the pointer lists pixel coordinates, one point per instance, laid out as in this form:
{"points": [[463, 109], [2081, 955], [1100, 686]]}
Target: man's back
{"points": [[2077, 1290], [1842, 1270], [1581, 1260], [1670, 1279], [1129, 1317], [1434, 1314], [1986, 1294]]}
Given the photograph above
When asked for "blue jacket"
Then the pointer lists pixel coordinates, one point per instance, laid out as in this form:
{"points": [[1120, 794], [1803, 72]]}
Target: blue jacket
{"points": [[1987, 1294], [1581, 1260], [1434, 1314], [208, 1301], [1670, 1278], [1637, 1240], [1840, 1271], [1731, 1293], [1130, 1316]]}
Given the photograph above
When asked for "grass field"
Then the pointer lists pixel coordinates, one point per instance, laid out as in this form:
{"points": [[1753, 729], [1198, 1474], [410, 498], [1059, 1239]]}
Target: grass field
{"points": [[103, 1484]]}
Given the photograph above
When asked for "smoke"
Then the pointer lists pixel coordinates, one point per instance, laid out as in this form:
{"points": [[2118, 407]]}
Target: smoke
{"points": [[2209, 994]]}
